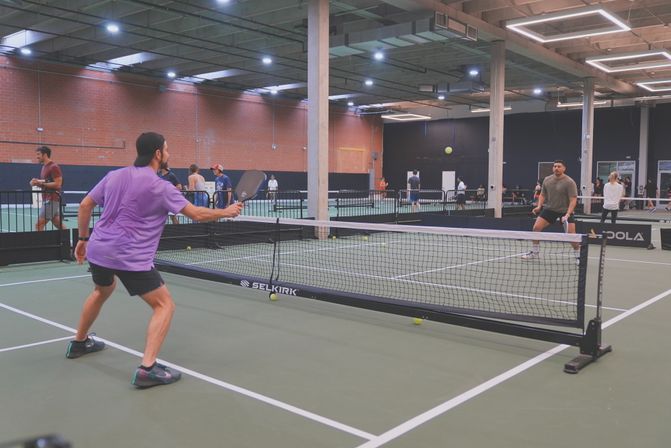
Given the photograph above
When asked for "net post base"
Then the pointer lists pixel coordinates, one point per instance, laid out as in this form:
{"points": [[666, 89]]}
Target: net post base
{"points": [[581, 361], [590, 348]]}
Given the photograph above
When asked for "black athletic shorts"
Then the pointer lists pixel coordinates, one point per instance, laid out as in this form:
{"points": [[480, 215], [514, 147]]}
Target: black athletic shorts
{"points": [[136, 282], [551, 216]]}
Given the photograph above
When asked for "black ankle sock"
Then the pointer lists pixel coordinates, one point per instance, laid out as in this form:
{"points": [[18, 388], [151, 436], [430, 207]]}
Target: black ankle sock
{"points": [[148, 368]]}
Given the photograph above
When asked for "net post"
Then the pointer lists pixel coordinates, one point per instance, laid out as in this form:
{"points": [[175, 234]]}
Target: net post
{"points": [[590, 344]]}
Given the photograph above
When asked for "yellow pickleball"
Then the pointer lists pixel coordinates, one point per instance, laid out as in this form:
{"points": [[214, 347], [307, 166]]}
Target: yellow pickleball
{"points": [[417, 321], [448, 150]]}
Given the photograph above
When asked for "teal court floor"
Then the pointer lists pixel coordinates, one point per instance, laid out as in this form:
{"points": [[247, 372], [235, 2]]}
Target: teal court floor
{"points": [[303, 373]]}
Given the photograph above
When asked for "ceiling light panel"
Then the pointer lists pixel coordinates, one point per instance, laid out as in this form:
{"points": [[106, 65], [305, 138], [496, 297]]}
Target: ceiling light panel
{"points": [[406, 117], [623, 62], [662, 85], [584, 22]]}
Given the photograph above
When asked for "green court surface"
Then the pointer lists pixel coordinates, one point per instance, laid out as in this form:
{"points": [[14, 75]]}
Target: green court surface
{"points": [[303, 373]]}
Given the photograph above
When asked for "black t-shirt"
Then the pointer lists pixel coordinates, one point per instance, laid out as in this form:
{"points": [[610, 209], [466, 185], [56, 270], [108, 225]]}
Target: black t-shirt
{"points": [[650, 189]]}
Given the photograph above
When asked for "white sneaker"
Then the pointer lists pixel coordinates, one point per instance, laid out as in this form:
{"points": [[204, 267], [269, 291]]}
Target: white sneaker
{"points": [[530, 255]]}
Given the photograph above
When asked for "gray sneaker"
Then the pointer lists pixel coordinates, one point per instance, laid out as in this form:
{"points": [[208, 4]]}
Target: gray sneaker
{"points": [[158, 375], [81, 348]]}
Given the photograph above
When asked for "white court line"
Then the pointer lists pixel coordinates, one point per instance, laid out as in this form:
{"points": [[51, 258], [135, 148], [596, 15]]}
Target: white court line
{"points": [[34, 344], [459, 265], [474, 392], [661, 263], [228, 386], [44, 280]]}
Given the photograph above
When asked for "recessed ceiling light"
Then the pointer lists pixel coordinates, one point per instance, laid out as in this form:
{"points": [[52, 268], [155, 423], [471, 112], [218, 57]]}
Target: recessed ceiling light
{"points": [[112, 28], [350, 103], [267, 60], [474, 72], [26, 51], [538, 91], [171, 74], [223, 2], [441, 97], [368, 82], [378, 56]]}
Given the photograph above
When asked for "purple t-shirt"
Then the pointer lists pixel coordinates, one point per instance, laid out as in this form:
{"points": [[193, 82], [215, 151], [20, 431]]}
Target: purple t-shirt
{"points": [[135, 205]]}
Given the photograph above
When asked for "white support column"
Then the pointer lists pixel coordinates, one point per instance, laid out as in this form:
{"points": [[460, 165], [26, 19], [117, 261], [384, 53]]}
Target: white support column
{"points": [[496, 104], [643, 149], [318, 108], [585, 186]]}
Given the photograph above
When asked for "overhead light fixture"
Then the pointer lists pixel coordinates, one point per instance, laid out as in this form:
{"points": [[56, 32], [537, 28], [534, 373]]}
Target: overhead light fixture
{"points": [[523, 25], [273, 91], [474, 72], [350, 103], [662, 85], [441, 97], [223, 2], [368, 82], [26, 51], [479, 110], [267, 60], [579, 104], [641, 60], [171, 74], [378, 55], [538, 91], [112, 28], [406, 117]]}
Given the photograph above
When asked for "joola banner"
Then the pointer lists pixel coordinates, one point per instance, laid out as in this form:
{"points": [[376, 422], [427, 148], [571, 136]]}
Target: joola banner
{"points": [[633, 235]]}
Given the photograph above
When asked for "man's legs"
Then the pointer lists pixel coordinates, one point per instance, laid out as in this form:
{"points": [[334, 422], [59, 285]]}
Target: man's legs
{"points": [[161, 303], [41, 223], [56, 220], [94, 302], [539, 226]]}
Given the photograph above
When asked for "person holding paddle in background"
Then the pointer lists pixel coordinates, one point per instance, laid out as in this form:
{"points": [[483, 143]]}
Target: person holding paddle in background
{"points": [[135, 204]]}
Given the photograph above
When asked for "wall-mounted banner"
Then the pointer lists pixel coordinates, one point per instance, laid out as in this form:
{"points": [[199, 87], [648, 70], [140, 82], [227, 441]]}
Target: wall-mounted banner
{"points": [[632, 235]]}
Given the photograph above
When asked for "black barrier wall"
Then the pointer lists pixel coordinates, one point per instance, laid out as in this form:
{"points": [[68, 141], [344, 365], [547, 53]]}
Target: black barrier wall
{"points": [[631, 235]]}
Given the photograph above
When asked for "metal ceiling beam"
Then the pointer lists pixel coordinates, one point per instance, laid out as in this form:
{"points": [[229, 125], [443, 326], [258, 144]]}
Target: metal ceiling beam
{"points": [[525, 47]]}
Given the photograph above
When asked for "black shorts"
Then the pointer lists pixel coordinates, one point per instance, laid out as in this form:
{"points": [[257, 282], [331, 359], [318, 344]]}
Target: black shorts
{"points": [[551, 216], [136, 282], [461, 198]]}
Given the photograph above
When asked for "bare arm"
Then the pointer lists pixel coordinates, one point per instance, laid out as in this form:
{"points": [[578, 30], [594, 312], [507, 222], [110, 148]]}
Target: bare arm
{"points": [[571, 205], [204, 214], [83, 221], [55, 185]]}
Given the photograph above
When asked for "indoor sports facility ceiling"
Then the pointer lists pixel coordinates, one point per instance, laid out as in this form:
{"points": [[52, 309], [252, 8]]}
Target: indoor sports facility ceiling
{"points": [[430, 50]]}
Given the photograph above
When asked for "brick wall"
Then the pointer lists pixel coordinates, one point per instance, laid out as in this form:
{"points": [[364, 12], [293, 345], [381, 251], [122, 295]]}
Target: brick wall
{"points": [[93, 118]]}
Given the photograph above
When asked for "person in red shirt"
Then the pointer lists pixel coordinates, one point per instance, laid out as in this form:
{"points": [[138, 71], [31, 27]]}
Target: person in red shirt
{"points": [[51, 182]]}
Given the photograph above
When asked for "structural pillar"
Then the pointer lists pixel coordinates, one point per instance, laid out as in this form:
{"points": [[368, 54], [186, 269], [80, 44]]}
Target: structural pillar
{"points": [[318, 109], [496, 105], [585, 187], [642, 175]]}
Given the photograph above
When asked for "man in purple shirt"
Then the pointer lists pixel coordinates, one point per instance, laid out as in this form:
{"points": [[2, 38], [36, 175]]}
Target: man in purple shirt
{"points": [[135, 204]]}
